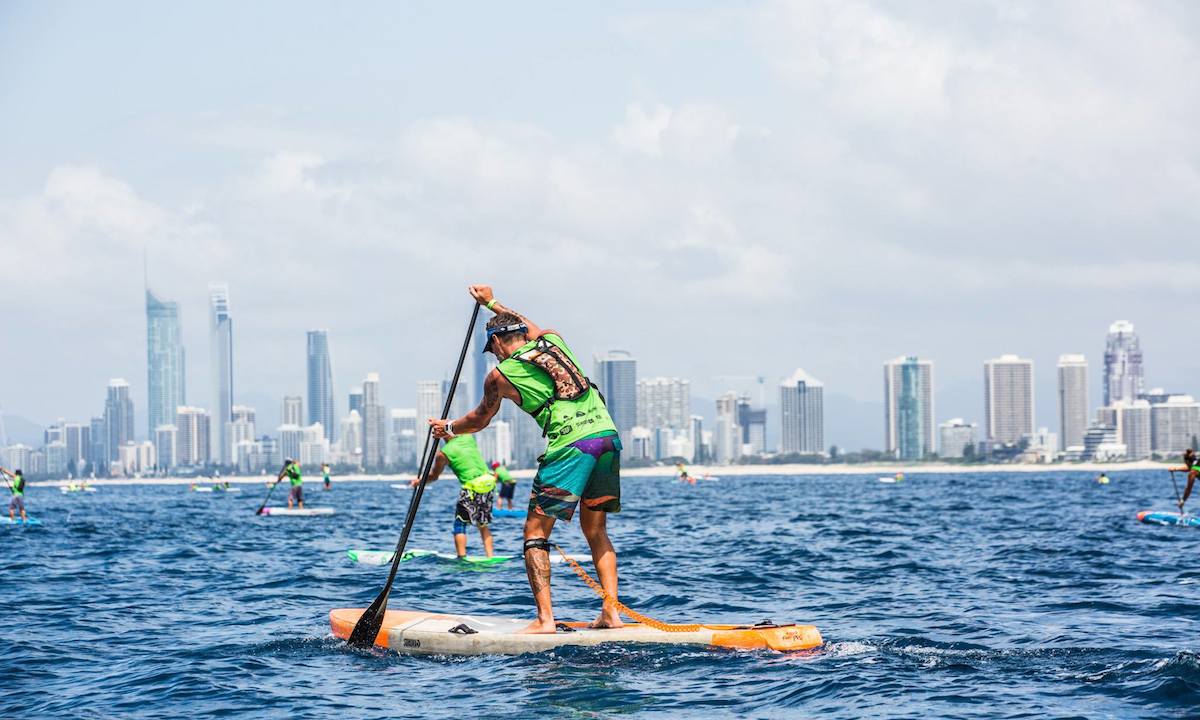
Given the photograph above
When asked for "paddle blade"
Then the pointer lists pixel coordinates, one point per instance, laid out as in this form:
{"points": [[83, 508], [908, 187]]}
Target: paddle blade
{"points": [[368, 626]]}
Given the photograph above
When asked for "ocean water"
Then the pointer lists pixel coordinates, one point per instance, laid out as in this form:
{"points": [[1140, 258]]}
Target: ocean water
{"points": [[1008, 595]]}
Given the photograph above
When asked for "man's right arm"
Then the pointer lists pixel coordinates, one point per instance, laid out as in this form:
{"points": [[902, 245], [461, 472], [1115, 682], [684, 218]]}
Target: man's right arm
{"points": [[483, 295]]}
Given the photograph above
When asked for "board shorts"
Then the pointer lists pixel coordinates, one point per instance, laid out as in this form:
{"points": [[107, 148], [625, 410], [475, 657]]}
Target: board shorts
{"points": [[474, 508], [17, 503], [507, 490], [588, 469], [297, 493]]}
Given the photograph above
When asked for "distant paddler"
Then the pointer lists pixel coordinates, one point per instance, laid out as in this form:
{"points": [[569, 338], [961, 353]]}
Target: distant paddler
{"points": [[325, 474], [507, 483], [16, 485], [683, 474], [476, 490], [539, 373], [1103, 478], [1191, 465]]}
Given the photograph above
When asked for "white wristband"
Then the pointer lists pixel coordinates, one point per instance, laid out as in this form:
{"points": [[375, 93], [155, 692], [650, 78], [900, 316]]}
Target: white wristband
{"points": [[450, 429]]}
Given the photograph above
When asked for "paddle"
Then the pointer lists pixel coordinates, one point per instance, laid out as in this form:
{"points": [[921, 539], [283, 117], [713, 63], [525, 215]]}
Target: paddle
{"points": [[367, 628], [1178, 497], [270, 490]]}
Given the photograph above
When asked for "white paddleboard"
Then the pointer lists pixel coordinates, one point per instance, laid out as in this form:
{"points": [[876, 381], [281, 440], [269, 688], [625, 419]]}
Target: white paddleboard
{"points": [[398, 486], [422, 633], [297, 512]]}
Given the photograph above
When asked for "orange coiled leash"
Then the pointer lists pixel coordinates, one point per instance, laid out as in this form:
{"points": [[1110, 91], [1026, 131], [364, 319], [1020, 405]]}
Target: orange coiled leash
{"points": [[609, 600]]}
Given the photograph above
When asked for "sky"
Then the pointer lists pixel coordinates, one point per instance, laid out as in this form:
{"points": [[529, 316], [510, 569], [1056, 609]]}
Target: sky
{"points": [[724, 190]]}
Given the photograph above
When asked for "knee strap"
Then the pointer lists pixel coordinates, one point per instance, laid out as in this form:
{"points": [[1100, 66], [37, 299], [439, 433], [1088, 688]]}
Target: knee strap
{"points": [[536, 544]]}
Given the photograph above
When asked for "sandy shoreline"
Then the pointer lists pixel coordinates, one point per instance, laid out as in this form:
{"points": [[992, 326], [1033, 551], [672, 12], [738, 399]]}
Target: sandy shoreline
{"points": [[873, 469]]}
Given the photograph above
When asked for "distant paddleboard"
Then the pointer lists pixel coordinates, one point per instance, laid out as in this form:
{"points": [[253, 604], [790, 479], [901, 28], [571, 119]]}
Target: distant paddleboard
{"points": [[422, 633], [215, 490], [66, 489], [398, 486], [5, 520], [297, 512], [1154, 517], [384, 557], [887, 479]]}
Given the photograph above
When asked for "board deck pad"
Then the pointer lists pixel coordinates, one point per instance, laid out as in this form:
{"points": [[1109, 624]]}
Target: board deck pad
{"points": [[1155, 517], [423, 633], [298, 512], [384, 557]]}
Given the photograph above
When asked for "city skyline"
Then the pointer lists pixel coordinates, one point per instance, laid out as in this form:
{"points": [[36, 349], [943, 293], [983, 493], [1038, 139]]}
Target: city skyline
{"points": [[774, 205]]}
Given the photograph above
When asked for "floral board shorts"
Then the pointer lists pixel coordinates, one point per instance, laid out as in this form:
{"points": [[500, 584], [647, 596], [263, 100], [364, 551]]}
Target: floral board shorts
{"points": [[588, 469], [474, 508]]}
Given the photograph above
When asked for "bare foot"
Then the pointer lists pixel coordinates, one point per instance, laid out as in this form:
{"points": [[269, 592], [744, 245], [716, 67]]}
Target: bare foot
{"points": [[538, 627], [608, 619]]}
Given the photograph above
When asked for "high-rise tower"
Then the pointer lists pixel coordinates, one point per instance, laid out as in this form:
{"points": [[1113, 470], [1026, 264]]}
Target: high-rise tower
{"points": [[118, 418], [616, 374], [908, 407], [320, 382], [221, 342], [164, 361], [1123, 375], [1008, 398], [1072, 400], [802, 414]]}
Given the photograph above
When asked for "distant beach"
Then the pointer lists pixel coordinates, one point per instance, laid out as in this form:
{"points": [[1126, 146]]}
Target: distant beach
{"points": [[874, 469]]}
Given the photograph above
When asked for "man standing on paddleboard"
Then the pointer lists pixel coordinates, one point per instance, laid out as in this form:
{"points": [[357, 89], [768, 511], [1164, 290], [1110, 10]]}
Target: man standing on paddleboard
{"points": [[539, 373], [474, 506], [292, 470], [17, 487]]}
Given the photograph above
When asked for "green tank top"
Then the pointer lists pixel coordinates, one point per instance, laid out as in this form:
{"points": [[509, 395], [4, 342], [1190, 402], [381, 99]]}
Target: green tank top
{"points": [[464, 458], [293, 473], [504, 476], [563, 421], [18, 485]]}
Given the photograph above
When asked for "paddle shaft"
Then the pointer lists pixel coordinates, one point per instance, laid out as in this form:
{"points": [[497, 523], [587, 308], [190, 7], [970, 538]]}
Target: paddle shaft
{"points": [[367, 627], [1178, 497], [270, 490]]}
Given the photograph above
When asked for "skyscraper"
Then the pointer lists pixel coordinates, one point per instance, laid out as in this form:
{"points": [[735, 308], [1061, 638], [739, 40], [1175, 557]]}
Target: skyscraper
{"points": [[374, 416], [1008, 398], [164, 361], [461, 403], [728, 434], [1174, 425], [356, 399], [320, 382], [193, 436], [404, 432], [221, 342], [908, 407], [753, 422], [1123, 378], [1072, 399], [802, 414], [479, 359], [616, 375], [118, 418], [293, 410], [429, 401], [663, 403]]}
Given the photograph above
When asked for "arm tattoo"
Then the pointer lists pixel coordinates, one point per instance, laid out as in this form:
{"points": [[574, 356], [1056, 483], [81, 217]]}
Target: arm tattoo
{"points": [[491, 397], [537, 567]]}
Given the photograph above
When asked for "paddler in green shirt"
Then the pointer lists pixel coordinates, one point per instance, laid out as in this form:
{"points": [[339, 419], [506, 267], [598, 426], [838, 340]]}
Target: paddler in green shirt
{"points": [[325, 473], [477, 484], [17, 487], [508, 485], [291, 471], [582, 464]]}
